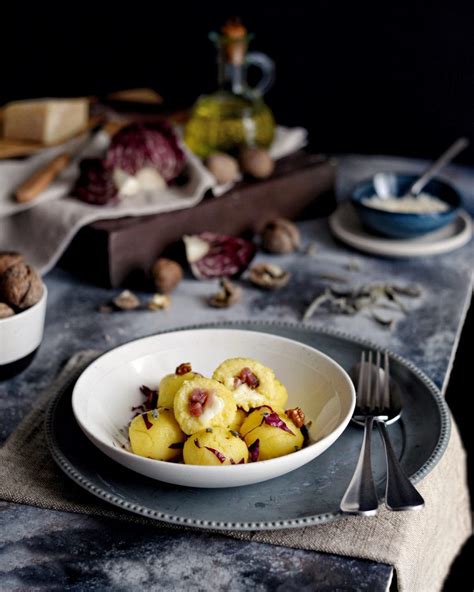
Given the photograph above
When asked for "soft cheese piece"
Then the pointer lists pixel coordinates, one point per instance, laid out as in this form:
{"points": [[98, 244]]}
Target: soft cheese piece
{"points": [[48, 121]]}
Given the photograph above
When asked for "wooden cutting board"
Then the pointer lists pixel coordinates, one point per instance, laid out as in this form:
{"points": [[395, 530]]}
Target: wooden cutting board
{"points": [[138, 96]]}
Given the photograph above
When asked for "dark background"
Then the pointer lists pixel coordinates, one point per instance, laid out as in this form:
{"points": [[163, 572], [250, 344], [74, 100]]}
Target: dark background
{"points": [[388, 77]]}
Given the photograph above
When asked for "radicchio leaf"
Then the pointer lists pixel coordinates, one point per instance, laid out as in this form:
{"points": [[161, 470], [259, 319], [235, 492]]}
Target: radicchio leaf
{"points": [[140, 145], [224, 256], [95, 184], [196, 443], [151, 397], [147, 421], [275, 421], [254, 450], [219, 455]]}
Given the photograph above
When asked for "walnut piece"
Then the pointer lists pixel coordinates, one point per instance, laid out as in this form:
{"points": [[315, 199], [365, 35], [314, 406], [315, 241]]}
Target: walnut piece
{"points": [[268, 276], [6, 311], [166, 275], [126, 300], [9, 258], [281, 236], [20, 286], [227, 296], [183, 368], [159, 302], [296, 415]]}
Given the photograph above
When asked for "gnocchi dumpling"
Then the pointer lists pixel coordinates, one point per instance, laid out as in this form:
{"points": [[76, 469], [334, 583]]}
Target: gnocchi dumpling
{"points": [[239, 419], [203, 403], [252, 384], [156, 434], [281, 395], [215, 446], [171, 383], [269, 434]]}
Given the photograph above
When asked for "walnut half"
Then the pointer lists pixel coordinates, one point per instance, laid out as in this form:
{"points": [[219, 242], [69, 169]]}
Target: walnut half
{"points": [[268, 276], [228, 295], [296, 415]]}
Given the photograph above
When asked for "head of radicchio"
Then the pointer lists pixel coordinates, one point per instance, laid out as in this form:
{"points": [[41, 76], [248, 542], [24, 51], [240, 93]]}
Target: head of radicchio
{"points": [[212, 255], [140, 145], [95, 184]]}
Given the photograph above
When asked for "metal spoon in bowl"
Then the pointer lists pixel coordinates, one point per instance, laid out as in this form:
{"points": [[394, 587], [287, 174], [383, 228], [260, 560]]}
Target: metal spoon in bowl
{"points": [[384, 182]]}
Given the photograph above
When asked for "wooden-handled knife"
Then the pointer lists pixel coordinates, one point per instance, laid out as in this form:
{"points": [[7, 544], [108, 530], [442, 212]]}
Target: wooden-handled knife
{"points": [[42, 178]]}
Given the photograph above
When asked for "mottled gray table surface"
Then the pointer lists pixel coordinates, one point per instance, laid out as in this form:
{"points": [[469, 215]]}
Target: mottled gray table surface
{"points": [[43, 549]]}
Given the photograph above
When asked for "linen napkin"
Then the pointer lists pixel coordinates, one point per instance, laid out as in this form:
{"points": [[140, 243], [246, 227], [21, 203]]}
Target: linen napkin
{"points": [[43, 228], [420, 545]]}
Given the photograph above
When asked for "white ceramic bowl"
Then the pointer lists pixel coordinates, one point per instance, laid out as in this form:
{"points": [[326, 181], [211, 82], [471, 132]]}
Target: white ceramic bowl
{"points": [[21, 335], [109, 387]]}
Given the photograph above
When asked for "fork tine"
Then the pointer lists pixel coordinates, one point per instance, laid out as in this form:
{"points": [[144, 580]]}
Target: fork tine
{"points": [[386, 382], [360, 382], [377, 397], [368, 392]]}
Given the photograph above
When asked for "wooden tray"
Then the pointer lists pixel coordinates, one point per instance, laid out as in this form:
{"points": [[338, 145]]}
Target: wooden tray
{"points": [[119, 252]]}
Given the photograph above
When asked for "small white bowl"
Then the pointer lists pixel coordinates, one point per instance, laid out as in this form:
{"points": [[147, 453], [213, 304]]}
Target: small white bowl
{"points": [[106, 391], [20, 337]]}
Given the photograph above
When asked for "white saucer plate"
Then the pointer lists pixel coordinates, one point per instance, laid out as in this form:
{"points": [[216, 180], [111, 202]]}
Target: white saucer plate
{"points": [[346, 226]]}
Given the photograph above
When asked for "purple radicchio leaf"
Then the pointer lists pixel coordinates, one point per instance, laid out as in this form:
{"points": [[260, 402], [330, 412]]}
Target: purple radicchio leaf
{"points": [[212, 255], [148, 423], [254, 450], [95, 184], [275, 421], [219, 455], [140, 145], [151, 397], [196, 443]]}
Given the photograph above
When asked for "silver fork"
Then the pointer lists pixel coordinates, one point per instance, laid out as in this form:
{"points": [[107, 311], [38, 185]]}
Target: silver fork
{"points": [[360, 496], [400, 493]]}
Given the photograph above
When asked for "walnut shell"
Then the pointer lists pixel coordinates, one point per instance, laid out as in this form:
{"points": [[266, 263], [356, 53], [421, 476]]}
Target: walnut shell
{"points": [[281, 236], [166, 274], [6, 311], [256, 162], [227, 296], [224, 167], [9, 258], [20, 286], [268, 276]]}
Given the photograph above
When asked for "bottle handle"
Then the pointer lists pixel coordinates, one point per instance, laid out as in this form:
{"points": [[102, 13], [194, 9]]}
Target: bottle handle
{"points": [[267, 67]]}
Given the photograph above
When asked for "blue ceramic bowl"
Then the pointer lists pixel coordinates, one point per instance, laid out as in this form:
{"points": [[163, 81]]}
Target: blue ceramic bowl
{"points": [[405, 225]]}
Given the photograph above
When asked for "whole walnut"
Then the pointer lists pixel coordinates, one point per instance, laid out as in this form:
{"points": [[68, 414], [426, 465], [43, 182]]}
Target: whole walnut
{"points": [[9, 258], [6, 311], [281, 236], [20, 286], [224, 167], [256, 162], [166, 274]]}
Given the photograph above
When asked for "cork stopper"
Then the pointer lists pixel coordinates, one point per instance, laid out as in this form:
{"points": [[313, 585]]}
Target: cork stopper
{"points": [[234, 38]]}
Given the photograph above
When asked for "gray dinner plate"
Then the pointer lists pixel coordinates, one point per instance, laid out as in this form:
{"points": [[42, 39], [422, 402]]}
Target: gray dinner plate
{"points": [[309, 495]]}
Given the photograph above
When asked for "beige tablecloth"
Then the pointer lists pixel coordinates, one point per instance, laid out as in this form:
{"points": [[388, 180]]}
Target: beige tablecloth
{"points": [[420, 545]]}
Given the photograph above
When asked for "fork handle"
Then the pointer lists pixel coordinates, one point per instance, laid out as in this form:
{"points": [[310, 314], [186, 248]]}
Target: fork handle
{"points": [[360, 496], [400, 494]]}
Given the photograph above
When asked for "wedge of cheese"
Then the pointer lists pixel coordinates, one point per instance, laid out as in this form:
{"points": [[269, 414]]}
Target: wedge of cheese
{"points": [[48, 121]]}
